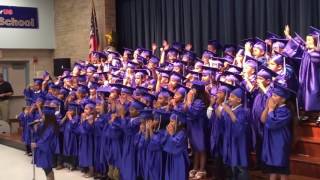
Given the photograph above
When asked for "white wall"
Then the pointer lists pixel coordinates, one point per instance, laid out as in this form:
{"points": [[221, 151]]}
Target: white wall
{"points": [[42, 38]]}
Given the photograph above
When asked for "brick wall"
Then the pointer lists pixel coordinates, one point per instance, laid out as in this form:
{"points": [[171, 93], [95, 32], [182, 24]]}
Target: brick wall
{"points": [[72, 25]]}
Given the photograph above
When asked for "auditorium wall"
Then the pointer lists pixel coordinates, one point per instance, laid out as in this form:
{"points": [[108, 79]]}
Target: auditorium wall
{"points": [[70, 38], [72, 22]]}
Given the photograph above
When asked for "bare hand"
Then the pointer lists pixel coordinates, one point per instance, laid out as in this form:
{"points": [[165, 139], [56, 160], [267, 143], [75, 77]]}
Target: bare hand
{"points": [[226, 107], [271, 104], [170, 129], [287, 31], [33, 145], [154, 46]]}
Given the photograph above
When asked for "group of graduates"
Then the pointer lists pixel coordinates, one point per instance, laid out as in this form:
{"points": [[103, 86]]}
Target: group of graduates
{"points": [[136, 116]]}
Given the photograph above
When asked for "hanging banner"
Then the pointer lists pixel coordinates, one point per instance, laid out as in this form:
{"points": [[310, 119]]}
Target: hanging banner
{"points": [[19, 17]]}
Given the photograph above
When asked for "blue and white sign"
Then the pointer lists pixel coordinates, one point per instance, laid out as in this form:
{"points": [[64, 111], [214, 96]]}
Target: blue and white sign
{"points": [[19, 17]]}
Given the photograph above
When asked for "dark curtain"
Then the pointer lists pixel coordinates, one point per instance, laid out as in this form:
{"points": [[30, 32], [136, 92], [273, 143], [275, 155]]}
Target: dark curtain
{"points": [[141, 22]]}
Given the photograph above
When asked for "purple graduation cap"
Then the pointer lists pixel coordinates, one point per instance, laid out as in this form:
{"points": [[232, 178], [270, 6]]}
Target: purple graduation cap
{"points": [[48, 110], [278, 43], [172, 51], [37, 81], [90, 104], [127, 90], [82, 89], [271, 35], [132, 64], [141, 72], [229, 49], [146, 53], [188, 56], [260, 44], [166, 92], [136, 104], [225, 87], [94, 85], [177, 77], [198, 85], [183, 90], [178, 116], [315, 33], [164, 73], [127, 51], [208, 54], [234, 77], [282, 91], [178, 46], [74, 107], [154, 59], [239, 92], [266, 73], [215, 43], [146, 114]]}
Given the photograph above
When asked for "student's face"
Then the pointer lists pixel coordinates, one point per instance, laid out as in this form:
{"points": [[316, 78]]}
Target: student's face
{"points": [[172, 56], [176, 69], [277, 99], [93, 92], [211, 48], [133, 112], [124, 95], [80, 95], [263, 81], [36, 87], [239, 57], [162, 100], [87, 110], [310, 43], [99, 108], [173, 82], [113, 95], [143, 127], [274, 66], [257, 52], [138, 80], [198, 68], [178, 97], [248, 69], [234, 100], [205, 78], [164, 80], [72, 112], [173, 123], [220, 95], [205, 58]]}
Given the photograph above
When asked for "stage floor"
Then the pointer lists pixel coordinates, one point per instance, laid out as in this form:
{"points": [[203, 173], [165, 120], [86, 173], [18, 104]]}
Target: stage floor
{"points": [[17, 166]]}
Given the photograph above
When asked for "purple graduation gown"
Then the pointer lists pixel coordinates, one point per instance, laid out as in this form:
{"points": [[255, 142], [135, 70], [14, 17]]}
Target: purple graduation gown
{"points": [[130, 127], [86, 146], [70, 137], [309, 81], [257, 126], [216, 136], [59, 137], [26, 129], [197, 125], [155, 161], [141, 144], [113, 143], [98, 125], [277, 138], [177, 162], [45, 147], [235, 141], [309, 76]]}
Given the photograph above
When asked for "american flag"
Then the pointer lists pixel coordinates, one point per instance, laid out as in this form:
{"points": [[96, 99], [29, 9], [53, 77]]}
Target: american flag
{"points": [[94, 33]]}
